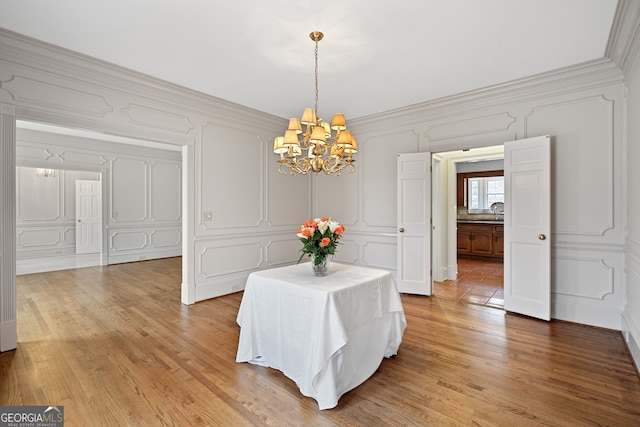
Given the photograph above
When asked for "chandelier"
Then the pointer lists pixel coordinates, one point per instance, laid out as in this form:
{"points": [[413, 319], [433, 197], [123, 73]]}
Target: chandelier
{"points": [[45, 173], [326, 151]]}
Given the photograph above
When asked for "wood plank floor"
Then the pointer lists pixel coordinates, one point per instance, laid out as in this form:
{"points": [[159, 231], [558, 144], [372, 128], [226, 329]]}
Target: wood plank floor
{"points": [[115, 347]]}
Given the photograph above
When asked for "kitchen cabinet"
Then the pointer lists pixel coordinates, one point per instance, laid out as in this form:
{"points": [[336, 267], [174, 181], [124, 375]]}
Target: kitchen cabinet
{"points": [[498, 241], [479, 239]]}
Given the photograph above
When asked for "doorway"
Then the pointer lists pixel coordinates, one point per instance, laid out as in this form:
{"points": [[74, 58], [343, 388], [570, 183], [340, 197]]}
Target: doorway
{"points": [[474, 278], [46, 215]]}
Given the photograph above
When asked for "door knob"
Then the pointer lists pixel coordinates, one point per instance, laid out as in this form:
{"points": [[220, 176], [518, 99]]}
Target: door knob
{"points": [[401, 230], [541, 237], [79, 220]]}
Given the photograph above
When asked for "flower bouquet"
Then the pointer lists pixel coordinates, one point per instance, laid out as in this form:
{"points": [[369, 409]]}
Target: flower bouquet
{"points": [[319, 238]]}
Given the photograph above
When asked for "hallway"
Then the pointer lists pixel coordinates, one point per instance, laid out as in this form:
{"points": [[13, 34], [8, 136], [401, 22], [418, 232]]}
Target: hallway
{"points": [[479, 282]]}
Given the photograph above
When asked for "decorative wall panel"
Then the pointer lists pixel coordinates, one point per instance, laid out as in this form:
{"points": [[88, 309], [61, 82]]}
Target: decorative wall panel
{"points": [[54, 97], [282, 251], [165, 238], [582, 153], [139, 114], [127, 240], [473, 126], [232, 173], [583, 277], [348, 251], [38, 198], [586, 284], [381, 254], [69, 236], [79, 157], [342, 193], [286, 202], [128, 190], [38, 237], [378, 170], [227, 259], [36, 153], [166, 179]]}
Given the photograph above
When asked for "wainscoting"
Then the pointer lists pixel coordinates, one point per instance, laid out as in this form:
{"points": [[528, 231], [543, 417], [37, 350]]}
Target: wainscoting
{"points": [[56, 263]]}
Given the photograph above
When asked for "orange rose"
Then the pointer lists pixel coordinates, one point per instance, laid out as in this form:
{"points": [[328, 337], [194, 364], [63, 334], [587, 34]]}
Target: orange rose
{"points": [[325, 242], [339, 230], [325, 219], [311, 223], [306, 232]]}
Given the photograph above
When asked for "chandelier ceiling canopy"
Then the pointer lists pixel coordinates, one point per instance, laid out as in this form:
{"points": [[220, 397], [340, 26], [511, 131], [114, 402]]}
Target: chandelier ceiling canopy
{"points": [[329, 147]]}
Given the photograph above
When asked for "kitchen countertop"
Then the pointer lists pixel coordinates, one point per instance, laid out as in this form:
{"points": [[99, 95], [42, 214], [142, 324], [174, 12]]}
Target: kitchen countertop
{"points": [[480, 221]]}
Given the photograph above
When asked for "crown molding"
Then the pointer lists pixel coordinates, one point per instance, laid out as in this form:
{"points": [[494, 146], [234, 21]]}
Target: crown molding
{"points": [[589, 74], [624, 40], [24, 51]]}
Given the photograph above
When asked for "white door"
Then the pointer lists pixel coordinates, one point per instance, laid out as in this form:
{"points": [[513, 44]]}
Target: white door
{"points": [[414, 223], [527, 225], [88, 216]]}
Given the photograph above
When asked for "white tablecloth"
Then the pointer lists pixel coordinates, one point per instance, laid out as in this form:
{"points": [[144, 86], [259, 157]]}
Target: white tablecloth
{"points": [[328, 334]]}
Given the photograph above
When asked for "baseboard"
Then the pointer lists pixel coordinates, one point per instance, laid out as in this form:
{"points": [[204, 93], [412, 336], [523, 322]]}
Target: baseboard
{"points": [[8, 335], [631, 335], [41, 253], [602, 317], [143, 256], [224, 287]]}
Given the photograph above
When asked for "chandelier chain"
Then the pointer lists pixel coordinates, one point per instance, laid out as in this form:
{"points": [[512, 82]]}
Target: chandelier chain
{"points": [[316, 75]]}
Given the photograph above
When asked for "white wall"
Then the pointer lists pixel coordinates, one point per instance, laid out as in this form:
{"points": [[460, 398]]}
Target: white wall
{"points": [[141, 197], [631, 315], [581, 108], [45, 214]]}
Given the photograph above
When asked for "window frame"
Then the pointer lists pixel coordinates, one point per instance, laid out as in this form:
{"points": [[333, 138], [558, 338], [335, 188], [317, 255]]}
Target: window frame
{"points": [[462, 187], [483, 194]]}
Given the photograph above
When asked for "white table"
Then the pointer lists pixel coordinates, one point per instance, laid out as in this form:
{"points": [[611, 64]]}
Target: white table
{"points": [[328, 334]]}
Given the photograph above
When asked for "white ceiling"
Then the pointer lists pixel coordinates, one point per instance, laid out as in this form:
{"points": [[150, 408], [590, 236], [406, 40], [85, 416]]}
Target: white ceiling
{"points": [[376, 55]]}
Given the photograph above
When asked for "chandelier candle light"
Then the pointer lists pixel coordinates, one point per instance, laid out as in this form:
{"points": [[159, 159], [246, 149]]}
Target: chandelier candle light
{"points": [[326, 151]]}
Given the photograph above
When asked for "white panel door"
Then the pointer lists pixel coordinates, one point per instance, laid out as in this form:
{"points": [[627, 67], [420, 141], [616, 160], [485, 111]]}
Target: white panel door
{"points": [[88, 216], [527, 226], [414, 223]]}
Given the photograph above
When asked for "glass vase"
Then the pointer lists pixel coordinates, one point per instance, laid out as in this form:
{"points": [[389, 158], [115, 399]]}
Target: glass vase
{"points": [[320, 265]]}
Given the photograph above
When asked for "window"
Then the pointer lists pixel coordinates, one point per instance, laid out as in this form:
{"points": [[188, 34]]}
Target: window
{"points": [[483, 192]]}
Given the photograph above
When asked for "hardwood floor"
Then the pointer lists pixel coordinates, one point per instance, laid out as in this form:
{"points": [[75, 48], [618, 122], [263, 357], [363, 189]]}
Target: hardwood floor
{"points": [[115, 347]]}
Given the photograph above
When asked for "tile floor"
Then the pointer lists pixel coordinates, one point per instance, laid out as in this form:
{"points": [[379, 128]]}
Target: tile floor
{"points": [[479, 282]]}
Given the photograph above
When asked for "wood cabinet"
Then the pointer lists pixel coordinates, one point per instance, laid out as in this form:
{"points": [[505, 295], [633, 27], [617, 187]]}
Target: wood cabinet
{"points": [[480, 240], [498, 241]]}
